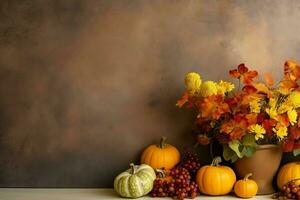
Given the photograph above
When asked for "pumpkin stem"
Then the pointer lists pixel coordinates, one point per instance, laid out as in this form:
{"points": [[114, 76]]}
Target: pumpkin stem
{"points": [[216, 161], [160, 173], [247, 176], [162, 142], [132, 168]]}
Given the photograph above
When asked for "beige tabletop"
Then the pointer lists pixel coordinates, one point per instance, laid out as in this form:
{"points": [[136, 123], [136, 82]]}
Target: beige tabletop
{"points": [[82, 194]]}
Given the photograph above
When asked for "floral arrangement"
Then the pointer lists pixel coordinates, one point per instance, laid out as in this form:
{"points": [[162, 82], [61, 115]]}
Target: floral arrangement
{"points": [[251, 114]]}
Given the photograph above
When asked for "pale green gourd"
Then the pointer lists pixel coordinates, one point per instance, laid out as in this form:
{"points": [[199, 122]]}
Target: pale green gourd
{"points": [[135, 182]]}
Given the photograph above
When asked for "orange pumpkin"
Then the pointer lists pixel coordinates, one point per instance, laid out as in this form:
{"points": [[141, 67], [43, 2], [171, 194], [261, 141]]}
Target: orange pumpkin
{"points": [[287, 173], [215, 179], [246, 188], [162, 156]]}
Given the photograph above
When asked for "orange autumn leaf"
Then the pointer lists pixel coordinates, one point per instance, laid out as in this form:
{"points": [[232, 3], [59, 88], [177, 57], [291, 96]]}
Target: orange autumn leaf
{"points": [[213, 106], [248, 77], [251, 118], [263, 89], [249, 89], [236, 127], [243, 74], [287, 85], [269, 79], [184, 99], [291, 70], [283, 119]]}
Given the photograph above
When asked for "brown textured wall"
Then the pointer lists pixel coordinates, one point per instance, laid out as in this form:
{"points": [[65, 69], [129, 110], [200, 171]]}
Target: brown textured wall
{"points": [[86, 85]]}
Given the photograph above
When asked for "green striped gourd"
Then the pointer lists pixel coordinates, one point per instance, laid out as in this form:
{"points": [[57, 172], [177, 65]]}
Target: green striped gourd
{"points": [[135, 182]]}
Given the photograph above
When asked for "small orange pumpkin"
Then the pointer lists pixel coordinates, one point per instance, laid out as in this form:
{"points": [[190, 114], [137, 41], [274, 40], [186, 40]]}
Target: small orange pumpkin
{"points": [[162, 156], [246, 188], [287, 173], [215, 179]]}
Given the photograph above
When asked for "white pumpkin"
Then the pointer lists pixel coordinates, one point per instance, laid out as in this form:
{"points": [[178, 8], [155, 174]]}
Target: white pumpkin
{"points": [[135, 182]]}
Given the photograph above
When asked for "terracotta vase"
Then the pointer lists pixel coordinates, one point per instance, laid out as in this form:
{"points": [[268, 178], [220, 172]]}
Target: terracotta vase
{"points": [[263, 164]]}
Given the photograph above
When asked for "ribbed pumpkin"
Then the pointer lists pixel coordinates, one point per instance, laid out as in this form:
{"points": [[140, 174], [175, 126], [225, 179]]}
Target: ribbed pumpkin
{"points": [[215, 179], [287, 173], [162, 156], [246, 188], [135, 182]]}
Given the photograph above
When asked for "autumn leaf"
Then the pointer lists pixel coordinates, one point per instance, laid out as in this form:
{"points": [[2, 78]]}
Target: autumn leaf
{"points": [[243, 74], [288, 146], [213, 106], [269, 79], [249, 89], [294, 133], [248, 77], [286, 85], [283, 119], [291, 70], [262, 88], [236, 127], [184, 99], [268, 124]]}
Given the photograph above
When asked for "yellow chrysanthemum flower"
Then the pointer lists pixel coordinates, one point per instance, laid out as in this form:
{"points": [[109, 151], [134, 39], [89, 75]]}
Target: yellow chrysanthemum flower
{"points": [[255, 106], [258, 130], [280, 130], [285, 106], [292, 115], [208, 88], [272, 102], [295, 99], [271, 110], [224, 86], [193, 82]]}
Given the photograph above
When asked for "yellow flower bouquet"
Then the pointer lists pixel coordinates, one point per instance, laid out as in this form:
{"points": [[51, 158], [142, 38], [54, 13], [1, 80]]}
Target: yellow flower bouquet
{"points": [[254, 113]]}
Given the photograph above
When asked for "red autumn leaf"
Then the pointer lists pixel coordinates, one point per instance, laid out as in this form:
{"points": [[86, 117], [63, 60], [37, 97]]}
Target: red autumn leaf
{"points": [[269, 79], [243, 74], [242, 68], [248, 77], [288, 146], [297, 144], [249, 89], [261, 117], [294, 133], [234, 73], [184, 99], [268, 125]]}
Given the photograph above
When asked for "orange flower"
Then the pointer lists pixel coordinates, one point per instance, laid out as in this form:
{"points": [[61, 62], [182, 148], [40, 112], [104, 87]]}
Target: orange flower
{"points": [[243, 74]]}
